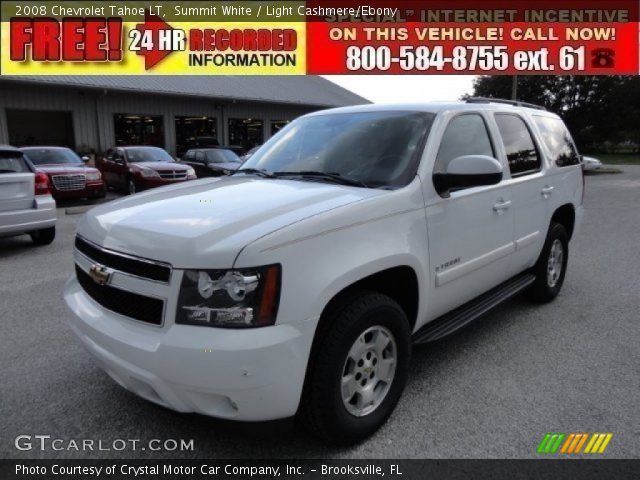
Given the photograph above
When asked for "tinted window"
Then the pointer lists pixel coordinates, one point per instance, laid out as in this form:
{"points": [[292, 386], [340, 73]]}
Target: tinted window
{"points": [[465, 135], [190, 155], [558, 140], [518, 144], [52, 156], [147, 154], [12, 163], [199, 157], [378, 148], [221, 156]]}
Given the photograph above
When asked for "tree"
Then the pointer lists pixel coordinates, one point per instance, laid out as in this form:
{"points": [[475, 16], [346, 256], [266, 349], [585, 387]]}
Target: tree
{"points": [[599, 110]]}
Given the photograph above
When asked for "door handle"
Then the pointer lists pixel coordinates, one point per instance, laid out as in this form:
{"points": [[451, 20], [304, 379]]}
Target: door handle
{"points": [[501, 206], [547, 191]]}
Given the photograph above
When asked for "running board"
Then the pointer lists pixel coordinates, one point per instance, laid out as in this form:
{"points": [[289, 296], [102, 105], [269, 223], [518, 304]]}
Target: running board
{"points": [[470, 311]]}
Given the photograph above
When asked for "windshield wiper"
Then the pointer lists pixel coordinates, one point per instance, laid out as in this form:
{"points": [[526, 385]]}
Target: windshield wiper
{"points": [[257, 171], [333, 177]]}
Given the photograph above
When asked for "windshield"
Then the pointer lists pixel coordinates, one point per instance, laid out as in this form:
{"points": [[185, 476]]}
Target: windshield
{"points": [[379, 149], [147, 154], [49, 156], [221, 156]]}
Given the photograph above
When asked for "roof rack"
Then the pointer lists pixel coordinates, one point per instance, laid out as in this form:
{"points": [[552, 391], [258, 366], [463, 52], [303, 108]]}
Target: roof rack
{"points": [[515, 103]]}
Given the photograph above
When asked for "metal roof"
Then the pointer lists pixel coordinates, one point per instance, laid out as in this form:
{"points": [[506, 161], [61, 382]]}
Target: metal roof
{"points": [[287, 89]]}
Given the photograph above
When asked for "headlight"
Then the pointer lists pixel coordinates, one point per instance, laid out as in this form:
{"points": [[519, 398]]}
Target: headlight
{"points": [[148, 173], [230, 298], [191, 172], [93, 176]]}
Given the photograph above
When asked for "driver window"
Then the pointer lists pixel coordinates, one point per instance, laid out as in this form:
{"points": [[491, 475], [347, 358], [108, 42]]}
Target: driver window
{"points": [[465, 135], [200, 157]]}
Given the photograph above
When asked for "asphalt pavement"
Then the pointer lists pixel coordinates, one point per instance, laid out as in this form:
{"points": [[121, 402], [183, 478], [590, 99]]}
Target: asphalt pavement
{"points": [[491, 391]]}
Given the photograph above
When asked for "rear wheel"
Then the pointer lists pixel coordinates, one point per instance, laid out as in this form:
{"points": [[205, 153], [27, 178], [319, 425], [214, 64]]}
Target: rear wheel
{"points": [[551, 266], [44, 236], [358, 369]]}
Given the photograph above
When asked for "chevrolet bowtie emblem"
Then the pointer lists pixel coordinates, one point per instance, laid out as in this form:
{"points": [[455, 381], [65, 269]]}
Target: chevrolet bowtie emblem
{"points": [[99, 274]]}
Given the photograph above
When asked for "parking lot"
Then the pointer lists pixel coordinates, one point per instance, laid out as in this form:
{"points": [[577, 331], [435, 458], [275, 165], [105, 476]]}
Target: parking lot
{"points": [[492, 390]]}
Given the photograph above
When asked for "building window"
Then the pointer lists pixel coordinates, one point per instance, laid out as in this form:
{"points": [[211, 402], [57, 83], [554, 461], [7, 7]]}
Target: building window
{"points": [[134, 129], [277, 125], [40, 127], [246, 132], [189, 129]]}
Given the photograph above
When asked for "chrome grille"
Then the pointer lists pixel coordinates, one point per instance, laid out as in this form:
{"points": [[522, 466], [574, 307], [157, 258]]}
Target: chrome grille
{"points": [[68, 182], [173, 174]]}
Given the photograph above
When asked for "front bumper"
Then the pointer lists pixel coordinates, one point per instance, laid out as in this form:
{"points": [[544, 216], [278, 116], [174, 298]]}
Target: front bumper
{"points": [[91, 190], [251, 375]]}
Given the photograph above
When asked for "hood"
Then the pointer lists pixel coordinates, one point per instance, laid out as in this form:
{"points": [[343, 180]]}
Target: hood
{"points": [[205, 223], [225, 165], [65, 168], [159, 166]]}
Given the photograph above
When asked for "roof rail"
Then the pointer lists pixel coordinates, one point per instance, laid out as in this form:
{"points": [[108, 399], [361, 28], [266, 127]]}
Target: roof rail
{"points": [[515, 103]]}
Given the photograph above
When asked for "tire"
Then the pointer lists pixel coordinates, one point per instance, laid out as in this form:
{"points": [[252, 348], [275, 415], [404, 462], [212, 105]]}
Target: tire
{"points": [[370, 316], [131, 186], [44, 236], [549, 278]]}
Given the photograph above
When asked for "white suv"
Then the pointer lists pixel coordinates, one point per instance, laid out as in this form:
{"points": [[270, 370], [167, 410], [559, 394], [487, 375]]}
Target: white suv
{"points": [[299, 284]]}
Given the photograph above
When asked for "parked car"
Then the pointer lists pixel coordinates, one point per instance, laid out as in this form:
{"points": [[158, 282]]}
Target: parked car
{"points": [[590, 164], [249, 154], [137, 168], [212, 162], [26, 204], [69, 177], [298, 284]]}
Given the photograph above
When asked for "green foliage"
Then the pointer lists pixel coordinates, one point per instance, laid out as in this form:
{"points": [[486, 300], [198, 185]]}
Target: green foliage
{"points": [[602, 112]]}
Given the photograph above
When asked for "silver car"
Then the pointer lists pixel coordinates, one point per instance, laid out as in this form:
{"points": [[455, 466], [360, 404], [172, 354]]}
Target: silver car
{"points": [[26, 205]]}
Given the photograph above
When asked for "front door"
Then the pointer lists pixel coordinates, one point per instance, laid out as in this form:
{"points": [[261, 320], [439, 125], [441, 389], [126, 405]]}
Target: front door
{"points": [[471, 232]]}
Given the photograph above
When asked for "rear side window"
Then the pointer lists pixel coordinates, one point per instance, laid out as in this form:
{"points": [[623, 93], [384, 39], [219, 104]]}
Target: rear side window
{"points": [[519, 146], [465, 135], [11, 163], [558, 140]]}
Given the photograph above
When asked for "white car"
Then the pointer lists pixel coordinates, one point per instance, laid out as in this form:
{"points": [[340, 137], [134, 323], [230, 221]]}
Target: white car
{"points": [[26, 204], [299, 284], [589, 164]]}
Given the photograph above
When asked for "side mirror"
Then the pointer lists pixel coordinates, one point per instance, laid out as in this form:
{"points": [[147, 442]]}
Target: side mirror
{"points": [[85, 159], [119, 160], [466, 172]]}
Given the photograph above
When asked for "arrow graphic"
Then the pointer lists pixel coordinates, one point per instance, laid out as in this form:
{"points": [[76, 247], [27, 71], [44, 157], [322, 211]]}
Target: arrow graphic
{"points": [[154, 24]]}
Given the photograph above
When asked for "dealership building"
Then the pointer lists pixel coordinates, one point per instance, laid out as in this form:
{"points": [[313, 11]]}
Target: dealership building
{"points": [[93, 113]]}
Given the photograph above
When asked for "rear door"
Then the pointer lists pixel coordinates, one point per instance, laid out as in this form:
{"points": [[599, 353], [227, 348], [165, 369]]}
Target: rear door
{"points": [[530, 186], [16, 183]]}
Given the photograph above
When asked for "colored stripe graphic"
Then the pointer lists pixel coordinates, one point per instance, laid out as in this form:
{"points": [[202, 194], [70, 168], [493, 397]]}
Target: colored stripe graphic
{"points": [[573, 443], [550, 443], [598, 443]]}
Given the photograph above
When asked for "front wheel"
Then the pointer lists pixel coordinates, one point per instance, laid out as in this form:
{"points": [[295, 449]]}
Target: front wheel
{"points": [[131, 186], [358, 370], [551, 266]]}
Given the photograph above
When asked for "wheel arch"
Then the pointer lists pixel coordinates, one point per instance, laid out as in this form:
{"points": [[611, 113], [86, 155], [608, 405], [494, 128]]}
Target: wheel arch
{"points": [[565, 215]]}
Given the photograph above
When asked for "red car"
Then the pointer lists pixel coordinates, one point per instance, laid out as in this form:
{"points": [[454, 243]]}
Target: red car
{"points": [[68, 176], [138, 168]]}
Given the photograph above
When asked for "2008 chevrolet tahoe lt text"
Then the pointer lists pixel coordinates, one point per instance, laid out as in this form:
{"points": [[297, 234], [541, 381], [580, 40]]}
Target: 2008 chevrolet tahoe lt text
{"points": [[297, 285]]}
